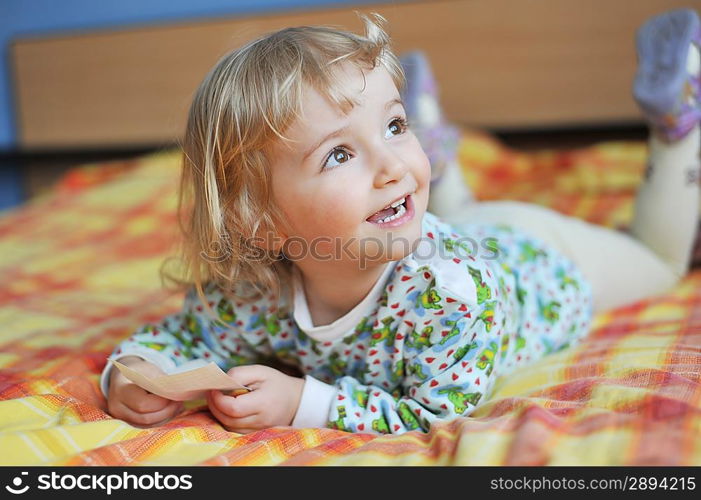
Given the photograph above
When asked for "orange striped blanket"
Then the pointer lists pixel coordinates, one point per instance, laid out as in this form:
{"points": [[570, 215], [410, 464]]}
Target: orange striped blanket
{"points": [[80, 271]]}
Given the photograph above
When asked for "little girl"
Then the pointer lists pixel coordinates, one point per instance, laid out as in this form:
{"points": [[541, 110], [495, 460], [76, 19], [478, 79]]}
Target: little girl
{"points": [[308, 243]]}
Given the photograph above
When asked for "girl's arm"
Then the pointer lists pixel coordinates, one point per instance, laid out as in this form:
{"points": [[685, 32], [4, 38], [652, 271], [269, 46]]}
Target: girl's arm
{"points": [[191, 335]]}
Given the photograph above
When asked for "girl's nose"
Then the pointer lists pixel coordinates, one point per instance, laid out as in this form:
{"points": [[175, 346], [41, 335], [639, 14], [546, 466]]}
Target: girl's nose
{"points": [[390, 167]]}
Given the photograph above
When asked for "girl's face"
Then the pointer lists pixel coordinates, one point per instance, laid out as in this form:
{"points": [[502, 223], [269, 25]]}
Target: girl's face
{"points": [[343, 168]]}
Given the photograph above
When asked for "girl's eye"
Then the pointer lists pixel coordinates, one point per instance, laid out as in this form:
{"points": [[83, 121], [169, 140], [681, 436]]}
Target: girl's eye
{"points": [[396, 127], [337, 156]]}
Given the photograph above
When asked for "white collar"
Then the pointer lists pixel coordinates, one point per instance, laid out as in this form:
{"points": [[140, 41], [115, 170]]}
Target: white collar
{"points": [[346, 323]]}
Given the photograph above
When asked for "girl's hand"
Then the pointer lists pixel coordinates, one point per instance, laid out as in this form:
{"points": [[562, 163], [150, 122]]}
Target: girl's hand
{"points": [[127, 401], [273, 400]]}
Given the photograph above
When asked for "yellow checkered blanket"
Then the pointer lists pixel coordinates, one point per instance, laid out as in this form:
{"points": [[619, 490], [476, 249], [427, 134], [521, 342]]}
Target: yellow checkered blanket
{"points": [[80, 272]]}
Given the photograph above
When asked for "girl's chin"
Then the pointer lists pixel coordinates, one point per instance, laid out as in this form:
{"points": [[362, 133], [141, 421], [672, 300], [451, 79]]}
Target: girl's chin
{"points": [[391, 246], [405, 244]]}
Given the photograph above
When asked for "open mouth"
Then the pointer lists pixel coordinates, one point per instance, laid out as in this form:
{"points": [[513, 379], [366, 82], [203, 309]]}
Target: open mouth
{"points": [[395, 213]]}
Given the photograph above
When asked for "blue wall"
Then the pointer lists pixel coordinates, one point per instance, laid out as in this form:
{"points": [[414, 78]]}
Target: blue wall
{"points": [[40, 17]]}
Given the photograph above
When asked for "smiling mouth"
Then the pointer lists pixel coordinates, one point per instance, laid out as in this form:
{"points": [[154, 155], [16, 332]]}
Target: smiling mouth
{"points": [[395, 212]]}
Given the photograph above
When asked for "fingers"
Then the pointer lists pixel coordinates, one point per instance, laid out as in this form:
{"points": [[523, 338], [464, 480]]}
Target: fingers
{"points": [[249, 374], [226, 420], [243, 425], [245, 405], [123, 412], [131, 403], [246, 425], [127, 401], [139, 400]]}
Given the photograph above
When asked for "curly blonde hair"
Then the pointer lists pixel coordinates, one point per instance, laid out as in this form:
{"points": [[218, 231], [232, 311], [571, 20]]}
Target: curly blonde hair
{"points": [[243, 105]]}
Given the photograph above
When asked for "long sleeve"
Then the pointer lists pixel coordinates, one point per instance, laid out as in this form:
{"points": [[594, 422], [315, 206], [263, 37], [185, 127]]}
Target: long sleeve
{"points": [[315, 403], [191, 335]]}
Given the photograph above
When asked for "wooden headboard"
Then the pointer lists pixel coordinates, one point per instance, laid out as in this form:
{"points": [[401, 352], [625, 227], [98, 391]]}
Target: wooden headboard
{"points": [[501, 64]]}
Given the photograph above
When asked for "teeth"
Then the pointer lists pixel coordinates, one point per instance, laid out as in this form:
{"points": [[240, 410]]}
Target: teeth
{"points": [[399, 213], [397, 203]]}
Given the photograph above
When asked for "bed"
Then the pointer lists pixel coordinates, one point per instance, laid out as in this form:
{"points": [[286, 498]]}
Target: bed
{"points": [[80, 272]]}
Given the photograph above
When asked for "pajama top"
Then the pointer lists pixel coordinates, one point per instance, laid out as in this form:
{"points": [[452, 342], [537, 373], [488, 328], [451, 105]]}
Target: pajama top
{"points": [[471, 303]]}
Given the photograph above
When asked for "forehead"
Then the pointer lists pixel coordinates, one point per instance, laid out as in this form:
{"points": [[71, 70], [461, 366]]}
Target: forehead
{"points": [[357, 91]]}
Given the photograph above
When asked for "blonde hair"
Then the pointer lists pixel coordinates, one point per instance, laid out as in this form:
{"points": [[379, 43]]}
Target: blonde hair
{"points": [[245, 104]]}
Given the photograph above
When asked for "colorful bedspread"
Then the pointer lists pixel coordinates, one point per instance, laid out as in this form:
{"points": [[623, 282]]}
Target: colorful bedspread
{"points": [[79, 271]]}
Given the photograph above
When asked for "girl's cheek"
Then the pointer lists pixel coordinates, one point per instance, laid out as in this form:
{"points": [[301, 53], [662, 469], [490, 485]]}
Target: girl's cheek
{"points": [[425, 167], [327, 215], [420, 164], [328, 219]]}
